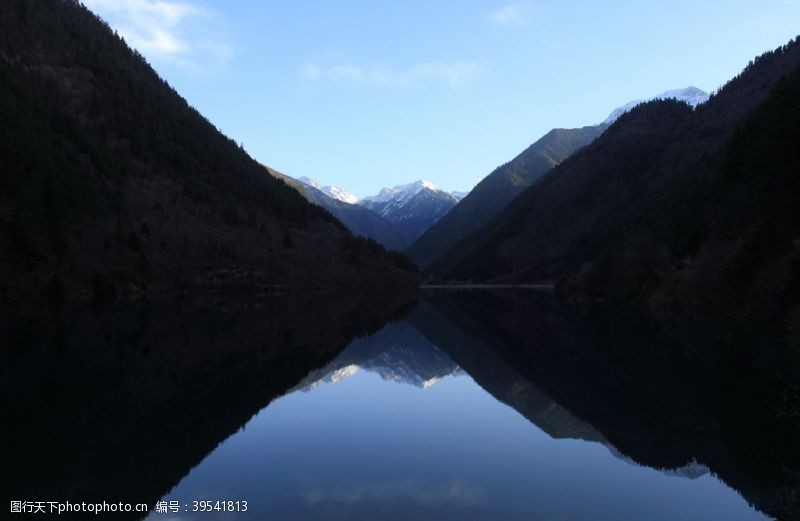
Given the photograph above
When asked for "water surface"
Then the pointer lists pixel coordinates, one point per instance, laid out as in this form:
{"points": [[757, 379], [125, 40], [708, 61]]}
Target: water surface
{"points": [[404, 433], [503, 405]]}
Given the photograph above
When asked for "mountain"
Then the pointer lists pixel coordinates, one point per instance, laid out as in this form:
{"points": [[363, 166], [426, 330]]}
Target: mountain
{"points": [[678, 211], [399, 193], [331, 191], [498, 189], [113, 185], [359, 220], [412, 208], [690, 95]]}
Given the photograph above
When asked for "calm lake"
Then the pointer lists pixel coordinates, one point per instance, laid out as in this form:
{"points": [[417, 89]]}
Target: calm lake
{"points": [[462, 405]]}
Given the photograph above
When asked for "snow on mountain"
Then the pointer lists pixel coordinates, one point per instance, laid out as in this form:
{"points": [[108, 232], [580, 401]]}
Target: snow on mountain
{"points": [[691, 95], [388, 369], [401, 193], [333, 377], [409, 209], [338, 193], [412, 208], [331, 191]]}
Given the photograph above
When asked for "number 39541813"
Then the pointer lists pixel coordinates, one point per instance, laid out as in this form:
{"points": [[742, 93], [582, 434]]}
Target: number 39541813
{"points": [[219, 506]]}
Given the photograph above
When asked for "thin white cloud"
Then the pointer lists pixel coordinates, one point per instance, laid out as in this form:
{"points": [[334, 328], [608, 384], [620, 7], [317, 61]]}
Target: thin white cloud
{"points": [[416, 492], [509, 15], [453, 73], [173, 30]]}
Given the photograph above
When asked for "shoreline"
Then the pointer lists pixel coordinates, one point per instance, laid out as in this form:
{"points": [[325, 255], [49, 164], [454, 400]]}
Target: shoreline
{"points": [[542, 286]]}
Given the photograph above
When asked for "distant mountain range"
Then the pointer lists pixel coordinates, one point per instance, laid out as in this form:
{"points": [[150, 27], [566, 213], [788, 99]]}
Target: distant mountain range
{"points": [[412, 208], [427, 222], [394, 217], [359, 220]]}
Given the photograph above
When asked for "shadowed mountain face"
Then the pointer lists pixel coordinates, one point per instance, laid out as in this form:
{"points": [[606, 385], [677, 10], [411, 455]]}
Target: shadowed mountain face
{"points": [[119, 406], [660, 401], [498, 189], [112, 184], [686, 212]]}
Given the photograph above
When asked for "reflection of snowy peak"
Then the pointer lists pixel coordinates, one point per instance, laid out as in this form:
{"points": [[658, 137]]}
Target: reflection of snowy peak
{"points": [[398, 353], [411, 365], [334, 377]]}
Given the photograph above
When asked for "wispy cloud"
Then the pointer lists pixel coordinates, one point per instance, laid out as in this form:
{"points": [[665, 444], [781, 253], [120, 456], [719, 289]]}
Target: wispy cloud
{"points": [[178, 31], [509, 15], [453, 73], [411, 491]]}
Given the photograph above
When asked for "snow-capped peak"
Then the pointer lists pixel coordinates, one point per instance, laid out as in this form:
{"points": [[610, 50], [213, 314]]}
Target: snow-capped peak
{"points": [[401, 192], [331, 191], [339, 194], [691, 95]]}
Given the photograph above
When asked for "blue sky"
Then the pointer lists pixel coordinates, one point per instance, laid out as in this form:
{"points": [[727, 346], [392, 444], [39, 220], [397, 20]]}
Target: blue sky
{"points": [[366, 94]]}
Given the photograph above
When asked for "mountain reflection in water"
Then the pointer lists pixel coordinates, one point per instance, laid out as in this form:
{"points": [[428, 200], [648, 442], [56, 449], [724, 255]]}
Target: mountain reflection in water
{"points": [[470, 405]]}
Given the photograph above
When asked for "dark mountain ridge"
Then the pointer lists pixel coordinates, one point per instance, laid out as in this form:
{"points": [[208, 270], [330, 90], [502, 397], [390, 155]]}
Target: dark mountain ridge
{"points": [[113, 184], [659, 210], [498, 189]]}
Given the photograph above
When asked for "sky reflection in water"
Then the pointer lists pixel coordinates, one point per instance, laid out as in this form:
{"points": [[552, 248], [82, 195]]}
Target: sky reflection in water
{"points": [[393, 429]]}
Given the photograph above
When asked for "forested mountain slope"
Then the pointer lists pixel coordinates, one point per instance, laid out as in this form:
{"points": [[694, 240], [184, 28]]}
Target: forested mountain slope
{"points": [[498, 189], [681, 209], [111, 183]]}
